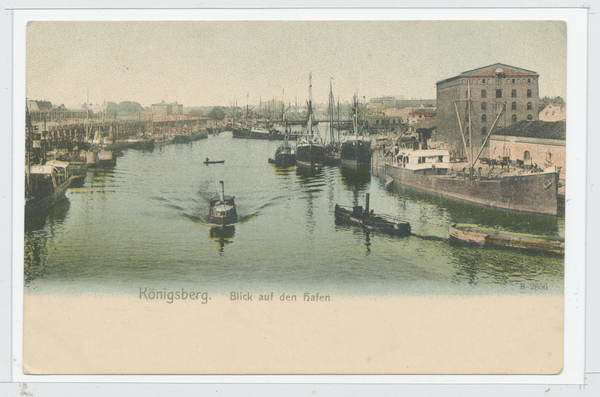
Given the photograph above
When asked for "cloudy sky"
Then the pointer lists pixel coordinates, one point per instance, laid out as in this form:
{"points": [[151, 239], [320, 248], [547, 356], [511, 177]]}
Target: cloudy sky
{"points": [[218, 63]]}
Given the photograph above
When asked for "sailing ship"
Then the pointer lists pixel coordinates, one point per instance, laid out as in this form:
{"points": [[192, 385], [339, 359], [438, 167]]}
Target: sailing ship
{"points": [[356, 151], [221, 209], [418, 167], [332, 150], [309, 150]]}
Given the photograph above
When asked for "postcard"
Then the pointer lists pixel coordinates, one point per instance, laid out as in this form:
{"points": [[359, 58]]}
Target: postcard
{"points": [[298, 197]]}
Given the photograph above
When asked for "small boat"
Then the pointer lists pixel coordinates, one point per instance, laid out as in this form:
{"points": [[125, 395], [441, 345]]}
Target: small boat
{"points": [[221, 209], [470, 235], [207, 161], [370, 222]]}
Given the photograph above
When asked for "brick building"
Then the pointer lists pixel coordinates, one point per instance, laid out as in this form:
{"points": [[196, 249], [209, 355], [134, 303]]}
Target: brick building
{"points": [[488, 90], [530, 143]]}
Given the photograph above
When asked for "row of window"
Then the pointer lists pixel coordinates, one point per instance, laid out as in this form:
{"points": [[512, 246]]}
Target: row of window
{"points": [[513, 106], [484, 81], [513, 94], [513, 119]]}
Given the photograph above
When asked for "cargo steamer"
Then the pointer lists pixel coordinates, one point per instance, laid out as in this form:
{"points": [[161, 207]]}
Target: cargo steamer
{"points": [[356, 153], [429, 171]]}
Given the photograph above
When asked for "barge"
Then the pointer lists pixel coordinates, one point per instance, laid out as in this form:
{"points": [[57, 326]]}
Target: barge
{"points": [[467, 234]]}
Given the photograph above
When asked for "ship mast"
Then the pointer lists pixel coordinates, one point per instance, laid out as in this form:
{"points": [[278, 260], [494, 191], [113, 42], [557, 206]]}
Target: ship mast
{"points": [[331, 110], [471, 164], [310, 110]]}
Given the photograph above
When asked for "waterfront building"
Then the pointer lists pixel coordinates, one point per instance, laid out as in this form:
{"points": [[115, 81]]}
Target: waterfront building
{"points": [[489, 89], [530, 143]]}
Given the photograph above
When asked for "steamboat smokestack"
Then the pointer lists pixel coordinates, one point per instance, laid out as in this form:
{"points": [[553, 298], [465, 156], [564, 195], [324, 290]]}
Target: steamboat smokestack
{"points": [[222, 192]]}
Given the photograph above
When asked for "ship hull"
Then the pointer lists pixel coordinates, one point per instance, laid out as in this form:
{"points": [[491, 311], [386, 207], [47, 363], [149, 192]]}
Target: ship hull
{"points": [[535, 193], [284, 160], [36, 206], [356, 154], [310, 156], [249, 134]]}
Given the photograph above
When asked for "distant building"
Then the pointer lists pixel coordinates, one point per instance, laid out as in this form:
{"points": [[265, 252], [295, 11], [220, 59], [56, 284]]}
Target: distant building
{"points": [[421, 115], [530, 143], [489, 89], [382, 103], [166, 109], [35, 106], [553, 112]]}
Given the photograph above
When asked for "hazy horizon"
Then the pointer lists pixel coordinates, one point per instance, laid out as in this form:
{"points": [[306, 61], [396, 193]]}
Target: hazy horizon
{"points": [[219, 63]]}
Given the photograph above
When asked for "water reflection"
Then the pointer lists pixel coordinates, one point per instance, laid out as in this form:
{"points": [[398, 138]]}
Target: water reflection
{"points": [[222, 236], [39, 230], [145, 220], [475, 265]]}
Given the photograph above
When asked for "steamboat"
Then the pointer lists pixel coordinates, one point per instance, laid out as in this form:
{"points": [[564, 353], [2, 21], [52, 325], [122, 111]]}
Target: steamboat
{"points": [[221, 209]]}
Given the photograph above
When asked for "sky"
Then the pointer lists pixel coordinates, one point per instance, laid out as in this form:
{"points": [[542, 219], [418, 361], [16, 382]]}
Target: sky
{"points": [[219, 63]]}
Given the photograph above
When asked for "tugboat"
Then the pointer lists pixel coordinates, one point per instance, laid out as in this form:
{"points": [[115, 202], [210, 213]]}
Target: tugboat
{"points": [[370, 222], [221, 210]]}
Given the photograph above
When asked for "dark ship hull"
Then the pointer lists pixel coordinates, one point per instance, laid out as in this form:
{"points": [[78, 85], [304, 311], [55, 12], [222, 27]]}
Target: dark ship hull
{"points": [[369, 222], [356, 154], [310, 156]]}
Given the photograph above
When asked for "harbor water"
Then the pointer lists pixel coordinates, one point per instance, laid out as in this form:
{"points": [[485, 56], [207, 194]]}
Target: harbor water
{"points": [[142, 225]]}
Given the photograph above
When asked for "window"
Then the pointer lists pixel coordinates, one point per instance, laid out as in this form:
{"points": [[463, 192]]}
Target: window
{"points": [[513, 106], [483, 106], [514, 118], [528, 93], [529, 80], [529, 106], [529, 117], [513, 94], [483, 93], [513, 80], [483, 81], [498, 93], [483, 118], [483, 130]]}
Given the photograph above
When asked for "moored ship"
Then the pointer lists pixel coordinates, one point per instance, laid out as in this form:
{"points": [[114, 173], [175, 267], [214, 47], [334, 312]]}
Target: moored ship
{"points": [[430, 171], [45, 186], [356, 153], [310, 152]]}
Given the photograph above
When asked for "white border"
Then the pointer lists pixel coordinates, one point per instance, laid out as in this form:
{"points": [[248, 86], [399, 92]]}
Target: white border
{"points": [[576, 19]]}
